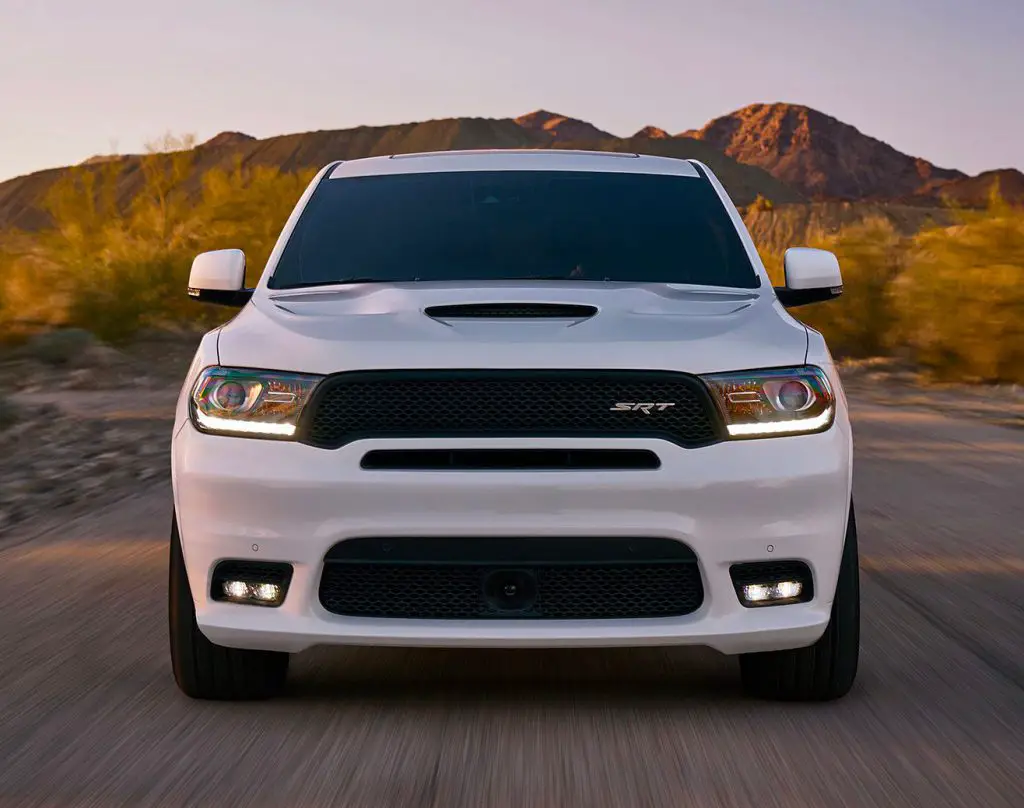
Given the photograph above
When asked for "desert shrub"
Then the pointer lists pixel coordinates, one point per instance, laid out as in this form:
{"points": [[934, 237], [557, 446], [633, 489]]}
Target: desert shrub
{"points": [[773, 265], [31, 296], [114, 270], [64, 346], [960, 301], [246, 208]]}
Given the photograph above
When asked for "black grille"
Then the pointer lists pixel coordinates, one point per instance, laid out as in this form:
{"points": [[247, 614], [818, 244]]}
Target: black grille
{"points": [[510, 460], [511, 403], [563, 579], [501, 311]]}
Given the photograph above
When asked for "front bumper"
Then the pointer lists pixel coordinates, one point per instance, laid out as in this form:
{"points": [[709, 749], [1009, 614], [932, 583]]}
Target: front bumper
{"points": [[758, 500]]}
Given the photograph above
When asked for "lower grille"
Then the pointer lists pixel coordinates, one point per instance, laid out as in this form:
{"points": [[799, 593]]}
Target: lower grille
{"points": [[510, 460], [481, 578]]}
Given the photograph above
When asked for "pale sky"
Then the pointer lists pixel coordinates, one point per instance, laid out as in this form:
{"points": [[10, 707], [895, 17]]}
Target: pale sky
{"points": [[939, 79]]}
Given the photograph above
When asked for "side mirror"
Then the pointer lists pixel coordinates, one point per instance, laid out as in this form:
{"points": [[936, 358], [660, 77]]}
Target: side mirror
{"points": [[218, 277], [811, 277]]}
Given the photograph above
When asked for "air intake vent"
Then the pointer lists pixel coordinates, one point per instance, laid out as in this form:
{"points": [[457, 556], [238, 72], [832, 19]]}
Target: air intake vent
{"points": [[505, 311], [509, 459]]}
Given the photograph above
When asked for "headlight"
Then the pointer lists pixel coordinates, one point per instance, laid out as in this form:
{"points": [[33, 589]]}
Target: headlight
{"points": [[257, 403], [766, 403]]}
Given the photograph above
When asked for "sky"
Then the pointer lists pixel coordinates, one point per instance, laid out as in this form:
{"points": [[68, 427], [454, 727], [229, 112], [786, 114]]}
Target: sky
{"points": [[935, 78]]}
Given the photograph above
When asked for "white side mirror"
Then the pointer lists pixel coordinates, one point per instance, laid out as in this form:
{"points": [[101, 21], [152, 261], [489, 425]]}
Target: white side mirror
{"points": [[811, 277], [218, 276]]}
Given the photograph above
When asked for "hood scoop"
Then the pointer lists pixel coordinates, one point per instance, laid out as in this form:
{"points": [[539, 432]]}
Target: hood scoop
{"points": [[511, 311]]}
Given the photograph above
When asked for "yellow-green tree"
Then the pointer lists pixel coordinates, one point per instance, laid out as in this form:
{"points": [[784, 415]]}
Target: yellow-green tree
{"points": [[960, 301], [114, 268]]}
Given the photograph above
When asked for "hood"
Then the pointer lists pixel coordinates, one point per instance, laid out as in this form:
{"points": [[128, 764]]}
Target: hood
{"points": [[454, 325]]}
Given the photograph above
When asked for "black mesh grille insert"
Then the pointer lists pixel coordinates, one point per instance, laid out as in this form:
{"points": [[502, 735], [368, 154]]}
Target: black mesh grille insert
{"points": [[495, 311], [482, 578], [512, 403]]}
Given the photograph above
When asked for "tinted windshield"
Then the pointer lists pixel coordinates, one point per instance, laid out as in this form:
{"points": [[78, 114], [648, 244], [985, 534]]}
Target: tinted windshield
{"points": [[495, 225]]}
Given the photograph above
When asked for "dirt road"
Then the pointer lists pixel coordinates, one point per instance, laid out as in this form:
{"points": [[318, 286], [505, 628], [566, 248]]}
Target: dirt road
{"points": [[89, 714]]}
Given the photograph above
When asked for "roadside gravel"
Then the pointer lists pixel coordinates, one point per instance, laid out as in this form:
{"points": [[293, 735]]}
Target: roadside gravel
{"points": [[86, 432], [51, 459], [886, 382]]}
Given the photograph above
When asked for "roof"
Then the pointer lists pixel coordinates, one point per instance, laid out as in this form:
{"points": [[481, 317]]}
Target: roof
{"points": [[514, 160]]}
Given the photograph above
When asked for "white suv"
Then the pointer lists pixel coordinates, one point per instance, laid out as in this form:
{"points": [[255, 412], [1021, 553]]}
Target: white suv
{"points": [[514, 399]]}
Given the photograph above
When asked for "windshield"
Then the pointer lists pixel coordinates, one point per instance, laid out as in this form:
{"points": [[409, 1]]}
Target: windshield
{"points": [[508, 225]]}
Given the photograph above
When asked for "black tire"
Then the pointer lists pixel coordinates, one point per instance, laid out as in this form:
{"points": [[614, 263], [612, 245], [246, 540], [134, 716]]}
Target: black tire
{"points": [[827, 669], [204, 670]]}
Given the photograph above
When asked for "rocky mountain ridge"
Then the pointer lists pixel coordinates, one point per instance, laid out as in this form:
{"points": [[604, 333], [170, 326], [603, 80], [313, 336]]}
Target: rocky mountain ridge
{"points": [[785, 153]]}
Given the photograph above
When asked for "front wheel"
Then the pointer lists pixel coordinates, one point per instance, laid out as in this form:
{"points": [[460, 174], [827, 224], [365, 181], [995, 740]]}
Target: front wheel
{"points": [[204, 670], [827, 669]]}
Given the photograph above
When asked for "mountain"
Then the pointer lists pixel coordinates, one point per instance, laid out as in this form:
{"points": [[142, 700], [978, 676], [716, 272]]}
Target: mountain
{"points": [[786, 153], [820, 156], [559, 127], [741, 181], [974, 192], [22, 198], [653, 132], [229, 139], [96, 159]]}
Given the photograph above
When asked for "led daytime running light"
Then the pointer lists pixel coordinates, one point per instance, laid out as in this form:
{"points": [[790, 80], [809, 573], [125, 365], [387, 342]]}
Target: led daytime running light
{"points": [[215, 424], [783, 427]]}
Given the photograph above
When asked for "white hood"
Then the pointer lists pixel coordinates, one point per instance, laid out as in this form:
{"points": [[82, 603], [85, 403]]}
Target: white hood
{"points": [[637, 326]]}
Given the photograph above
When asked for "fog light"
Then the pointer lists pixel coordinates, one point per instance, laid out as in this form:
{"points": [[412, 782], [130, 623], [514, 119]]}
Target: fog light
{"points": [[268, 593], [256, 583], [755, 593], [770, 593], [244, 592], [772, 583], [236, 589]]}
